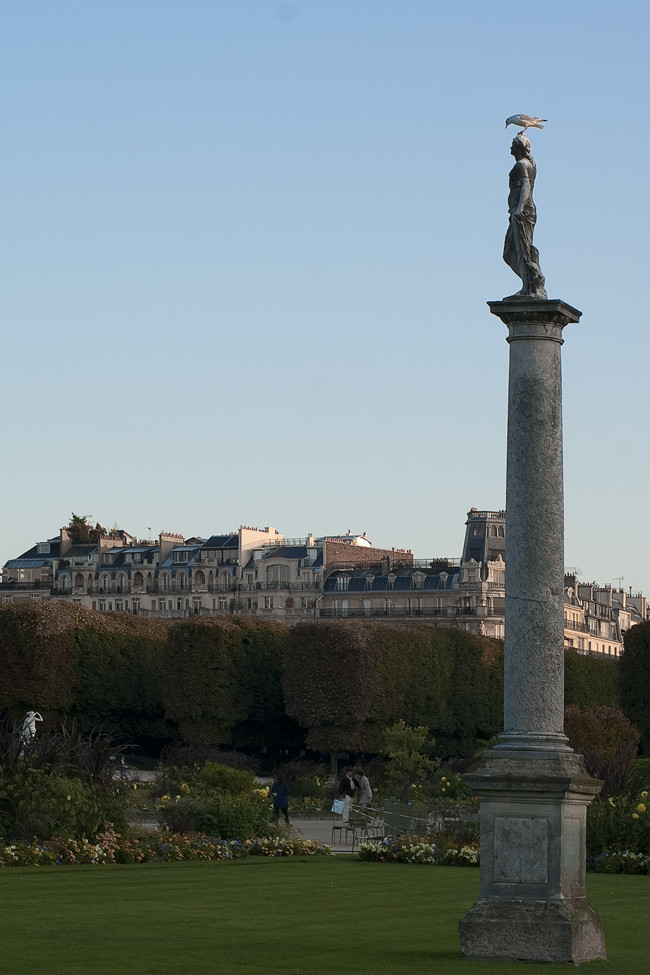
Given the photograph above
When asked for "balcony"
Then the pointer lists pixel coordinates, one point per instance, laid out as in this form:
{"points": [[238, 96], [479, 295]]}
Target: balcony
{"points": [[356, 612], [572, 625]]}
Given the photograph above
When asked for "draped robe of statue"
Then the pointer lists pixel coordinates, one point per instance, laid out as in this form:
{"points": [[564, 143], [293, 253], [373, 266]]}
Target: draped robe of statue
{"points": [[519, 252]]}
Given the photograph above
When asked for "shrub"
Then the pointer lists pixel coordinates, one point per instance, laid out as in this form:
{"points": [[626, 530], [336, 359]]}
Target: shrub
{"points": [[607, 739], [218, 813], [617, 824], [212, 798], [305, 778], [58, 782], [43, 805]]}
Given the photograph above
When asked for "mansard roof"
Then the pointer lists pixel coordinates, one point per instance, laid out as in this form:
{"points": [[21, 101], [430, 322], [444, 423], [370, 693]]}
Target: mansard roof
{"points": [[286, 552], [42, 557], [222, 541], [78, 551], [24, 563]]}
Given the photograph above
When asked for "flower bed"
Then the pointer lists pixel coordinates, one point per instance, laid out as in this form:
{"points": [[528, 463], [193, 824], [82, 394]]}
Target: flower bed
{"points": [[619, 861], [161, 846], [413, 849]]}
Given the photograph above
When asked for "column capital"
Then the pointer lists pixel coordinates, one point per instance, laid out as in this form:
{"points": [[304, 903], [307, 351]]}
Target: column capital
{"points": [[534, 311]]}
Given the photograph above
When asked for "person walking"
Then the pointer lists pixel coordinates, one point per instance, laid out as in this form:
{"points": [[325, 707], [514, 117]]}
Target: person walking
{"points": [[346, 792], [280, 798]]}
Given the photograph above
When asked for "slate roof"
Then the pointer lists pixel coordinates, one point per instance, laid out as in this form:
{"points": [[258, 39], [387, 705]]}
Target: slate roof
{"points": [[23, 563], [78, 551], [287, 552], [357, 584], [33, 553], [222, 541]]}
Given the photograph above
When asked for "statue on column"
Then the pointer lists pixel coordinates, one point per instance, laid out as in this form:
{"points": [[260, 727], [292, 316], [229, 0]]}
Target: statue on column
{"points": [[519, 253]]}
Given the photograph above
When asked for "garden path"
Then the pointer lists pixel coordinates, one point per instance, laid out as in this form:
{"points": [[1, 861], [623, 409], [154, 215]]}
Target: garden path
{"points": [[321, 830]]}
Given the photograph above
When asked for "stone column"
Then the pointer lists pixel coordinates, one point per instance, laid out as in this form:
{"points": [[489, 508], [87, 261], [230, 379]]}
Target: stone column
{"points": [[532, 788]]}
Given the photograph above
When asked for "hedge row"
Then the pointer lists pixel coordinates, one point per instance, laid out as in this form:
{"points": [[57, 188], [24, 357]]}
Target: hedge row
{"points": [[256, 684]]}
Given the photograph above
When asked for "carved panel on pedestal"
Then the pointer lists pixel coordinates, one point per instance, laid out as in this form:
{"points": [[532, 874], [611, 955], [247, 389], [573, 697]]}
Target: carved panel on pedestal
{"points": [[520, 850]]}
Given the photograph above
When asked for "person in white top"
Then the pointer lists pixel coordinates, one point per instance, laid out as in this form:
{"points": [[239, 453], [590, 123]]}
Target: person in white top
{"points": [[364, 790]]}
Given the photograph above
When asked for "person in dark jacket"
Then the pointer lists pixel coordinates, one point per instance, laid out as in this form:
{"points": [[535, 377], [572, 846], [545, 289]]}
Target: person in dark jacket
{"points": [[346, 791], [280, 798]]}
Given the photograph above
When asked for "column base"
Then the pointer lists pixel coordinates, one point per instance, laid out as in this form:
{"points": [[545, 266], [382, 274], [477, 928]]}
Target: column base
{"points": [[532, 904], [511, 929]]}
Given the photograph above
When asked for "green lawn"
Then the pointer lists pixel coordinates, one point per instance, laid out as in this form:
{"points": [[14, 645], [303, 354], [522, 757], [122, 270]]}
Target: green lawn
{"points": [[333, 916]]}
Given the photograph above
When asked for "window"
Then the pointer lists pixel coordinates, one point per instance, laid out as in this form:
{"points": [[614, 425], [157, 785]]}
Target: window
{"points": [[164, 581], [223, 603], [277, 575], [342, 583], [182, 580]]}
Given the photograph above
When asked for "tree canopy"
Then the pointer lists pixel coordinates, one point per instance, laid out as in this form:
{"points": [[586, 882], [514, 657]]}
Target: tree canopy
{"points": [[81, 532]]}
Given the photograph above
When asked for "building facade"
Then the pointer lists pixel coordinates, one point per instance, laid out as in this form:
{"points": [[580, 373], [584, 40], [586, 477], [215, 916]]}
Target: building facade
{"points": [[259, 572]]}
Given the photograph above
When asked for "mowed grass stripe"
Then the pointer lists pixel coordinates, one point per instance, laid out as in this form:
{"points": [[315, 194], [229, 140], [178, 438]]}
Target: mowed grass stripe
{"points": [[294, 916]]}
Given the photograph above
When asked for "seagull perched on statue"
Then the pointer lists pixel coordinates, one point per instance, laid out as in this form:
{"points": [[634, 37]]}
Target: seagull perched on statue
{"points": [[528, 122]]}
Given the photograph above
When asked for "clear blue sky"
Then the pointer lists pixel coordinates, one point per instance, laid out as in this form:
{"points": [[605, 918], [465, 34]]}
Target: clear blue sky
{"points": [[247, 247]]}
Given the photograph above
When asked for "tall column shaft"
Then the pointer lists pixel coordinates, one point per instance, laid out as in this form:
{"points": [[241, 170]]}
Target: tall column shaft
{"points": [[534, 658]]}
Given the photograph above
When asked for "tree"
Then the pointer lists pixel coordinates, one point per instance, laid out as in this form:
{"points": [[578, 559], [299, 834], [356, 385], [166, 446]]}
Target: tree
{"points": [[221, 679], [81, 532], [635, 680], [408, 765], [330, 682], [36, 670], [117, 677], [607, 740]]}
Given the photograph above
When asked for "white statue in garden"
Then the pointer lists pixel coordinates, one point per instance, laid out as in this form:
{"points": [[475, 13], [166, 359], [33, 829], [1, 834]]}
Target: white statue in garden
{"points": [[28, 732]]}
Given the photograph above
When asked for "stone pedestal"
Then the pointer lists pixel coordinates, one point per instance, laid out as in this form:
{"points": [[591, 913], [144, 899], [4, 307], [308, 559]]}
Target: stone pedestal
{"points": [[533, 789]]}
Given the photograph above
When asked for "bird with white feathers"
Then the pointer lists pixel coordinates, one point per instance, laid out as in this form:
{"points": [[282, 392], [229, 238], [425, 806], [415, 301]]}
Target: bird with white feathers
{"points": [[527, 121]]}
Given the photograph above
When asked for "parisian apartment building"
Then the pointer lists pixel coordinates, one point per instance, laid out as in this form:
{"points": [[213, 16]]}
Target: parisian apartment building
{"points": [[259, 572]]}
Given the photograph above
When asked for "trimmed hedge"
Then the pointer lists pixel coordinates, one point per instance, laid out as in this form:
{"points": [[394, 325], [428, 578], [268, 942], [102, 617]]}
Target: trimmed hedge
{"points": [[332, 685]]}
